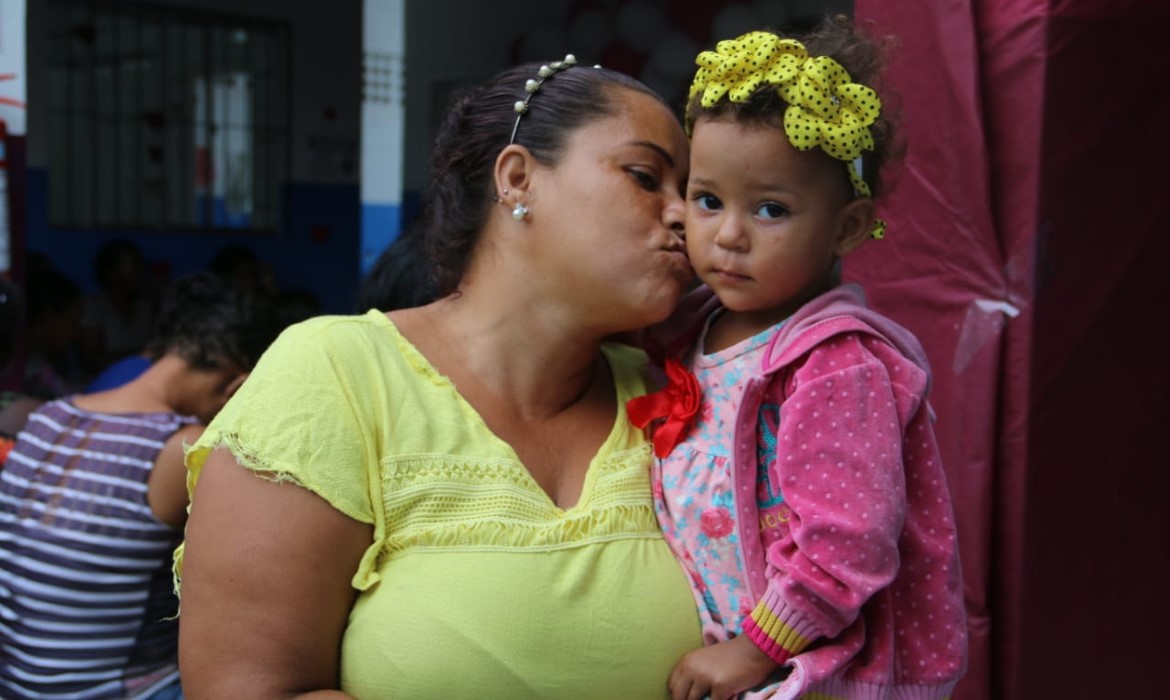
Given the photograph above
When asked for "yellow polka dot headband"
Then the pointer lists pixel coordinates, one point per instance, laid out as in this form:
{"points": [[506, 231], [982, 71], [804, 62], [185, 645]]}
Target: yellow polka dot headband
{"points": [[825, 108]]}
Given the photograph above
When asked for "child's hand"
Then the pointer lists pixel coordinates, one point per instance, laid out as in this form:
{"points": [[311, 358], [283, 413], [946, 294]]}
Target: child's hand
{"points": [[720, 671]]}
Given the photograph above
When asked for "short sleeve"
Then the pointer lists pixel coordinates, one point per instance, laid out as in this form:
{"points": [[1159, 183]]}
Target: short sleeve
{"points": [[296, 418]]}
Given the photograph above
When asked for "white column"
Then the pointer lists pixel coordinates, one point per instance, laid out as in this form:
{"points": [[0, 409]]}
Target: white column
{"points": [[383, 124]]}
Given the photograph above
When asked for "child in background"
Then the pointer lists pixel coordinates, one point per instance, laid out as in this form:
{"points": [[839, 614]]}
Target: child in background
{"points": [[798, 479]]}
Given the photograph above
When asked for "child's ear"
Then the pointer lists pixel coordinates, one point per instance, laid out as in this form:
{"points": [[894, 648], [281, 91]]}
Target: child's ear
{"points": [[856, 220]]}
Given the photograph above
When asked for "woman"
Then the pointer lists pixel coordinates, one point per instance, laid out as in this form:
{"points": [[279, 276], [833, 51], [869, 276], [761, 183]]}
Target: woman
{"points": [[92, 502], [453, 499]]}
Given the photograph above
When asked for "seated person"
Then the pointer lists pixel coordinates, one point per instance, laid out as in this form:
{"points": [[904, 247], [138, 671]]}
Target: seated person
{"points": [[116, 321], [93, 500]]}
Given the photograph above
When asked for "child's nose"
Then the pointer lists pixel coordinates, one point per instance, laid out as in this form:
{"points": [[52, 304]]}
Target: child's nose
{"points": [[731, 234]]}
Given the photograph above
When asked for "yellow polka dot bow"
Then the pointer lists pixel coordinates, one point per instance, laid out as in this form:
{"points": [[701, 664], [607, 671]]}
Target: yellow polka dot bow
{"points": [[825, 108]]}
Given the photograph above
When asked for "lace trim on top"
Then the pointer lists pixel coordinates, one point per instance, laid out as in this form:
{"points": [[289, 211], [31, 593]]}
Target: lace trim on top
{"points": [[442, 501]]}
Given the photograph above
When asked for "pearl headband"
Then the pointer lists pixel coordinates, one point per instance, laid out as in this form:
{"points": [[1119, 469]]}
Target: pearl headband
{"points": [[546, 71]]}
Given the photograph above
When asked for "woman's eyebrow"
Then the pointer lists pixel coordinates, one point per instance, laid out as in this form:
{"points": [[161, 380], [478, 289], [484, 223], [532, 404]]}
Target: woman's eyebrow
{"points": [[656, 148]]}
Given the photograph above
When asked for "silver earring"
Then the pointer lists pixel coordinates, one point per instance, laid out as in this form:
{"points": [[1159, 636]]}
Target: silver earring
{"points": [[519, 211]]}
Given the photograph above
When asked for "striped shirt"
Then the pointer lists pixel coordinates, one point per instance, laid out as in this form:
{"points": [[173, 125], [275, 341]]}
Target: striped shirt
{"points": [[85, 583]]}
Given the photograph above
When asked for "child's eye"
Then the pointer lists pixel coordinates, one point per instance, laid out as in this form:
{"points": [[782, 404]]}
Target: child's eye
{"points": [[706, 201], [771, 210]]}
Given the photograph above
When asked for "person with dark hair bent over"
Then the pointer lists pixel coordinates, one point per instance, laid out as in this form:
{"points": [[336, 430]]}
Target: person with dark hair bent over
{"points": [[449, 501], [92, 502]]}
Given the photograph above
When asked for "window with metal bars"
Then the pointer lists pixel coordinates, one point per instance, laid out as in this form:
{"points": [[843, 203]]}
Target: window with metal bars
{"points": [[165, 118]]}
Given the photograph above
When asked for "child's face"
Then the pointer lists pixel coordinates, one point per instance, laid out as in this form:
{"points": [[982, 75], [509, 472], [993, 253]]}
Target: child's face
{"points": [[765, 222]]}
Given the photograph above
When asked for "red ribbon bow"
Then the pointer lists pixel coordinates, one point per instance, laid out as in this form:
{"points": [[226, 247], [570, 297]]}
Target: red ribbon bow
{"points": [[676, 405]]}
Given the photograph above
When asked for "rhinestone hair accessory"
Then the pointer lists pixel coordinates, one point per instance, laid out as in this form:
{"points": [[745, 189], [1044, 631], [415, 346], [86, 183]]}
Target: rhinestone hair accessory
{"points": [[826, 108], [531, 86]]}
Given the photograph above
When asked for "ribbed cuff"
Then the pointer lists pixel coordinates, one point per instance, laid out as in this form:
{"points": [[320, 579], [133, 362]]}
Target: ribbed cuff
{"points": [[778, 629]]}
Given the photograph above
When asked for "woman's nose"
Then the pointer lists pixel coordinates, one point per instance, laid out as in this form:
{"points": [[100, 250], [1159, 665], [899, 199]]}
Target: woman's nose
{"points": [[674, 214]]}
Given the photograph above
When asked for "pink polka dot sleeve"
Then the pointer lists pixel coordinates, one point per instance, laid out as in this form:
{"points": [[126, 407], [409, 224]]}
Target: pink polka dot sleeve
{"points": [[840, 466]]}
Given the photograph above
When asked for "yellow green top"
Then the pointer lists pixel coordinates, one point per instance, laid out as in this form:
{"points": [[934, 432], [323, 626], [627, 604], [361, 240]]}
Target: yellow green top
{"points": [[475, 581]]}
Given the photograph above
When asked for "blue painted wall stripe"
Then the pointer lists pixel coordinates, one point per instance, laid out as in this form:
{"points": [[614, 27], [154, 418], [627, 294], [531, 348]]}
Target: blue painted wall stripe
{"points": [[381, 224]]}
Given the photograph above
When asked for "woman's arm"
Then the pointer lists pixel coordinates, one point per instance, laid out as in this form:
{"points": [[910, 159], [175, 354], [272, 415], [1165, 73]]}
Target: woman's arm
{"points": [[265, 588]]}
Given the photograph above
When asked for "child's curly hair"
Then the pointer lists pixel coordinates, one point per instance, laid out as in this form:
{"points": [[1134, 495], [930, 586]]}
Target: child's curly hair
{"points": [[841, 38]]}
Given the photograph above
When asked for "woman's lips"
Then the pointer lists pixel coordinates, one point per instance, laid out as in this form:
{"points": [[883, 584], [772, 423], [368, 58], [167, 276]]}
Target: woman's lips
{"points": [[681, 261]]}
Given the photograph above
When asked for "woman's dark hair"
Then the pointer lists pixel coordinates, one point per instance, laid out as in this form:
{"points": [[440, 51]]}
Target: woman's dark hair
{"points": [[843, 40], [210, 323], [477, 127]]}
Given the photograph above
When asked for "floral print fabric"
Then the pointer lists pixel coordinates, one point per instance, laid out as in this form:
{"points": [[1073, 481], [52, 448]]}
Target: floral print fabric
{"points": [[693, 489]]}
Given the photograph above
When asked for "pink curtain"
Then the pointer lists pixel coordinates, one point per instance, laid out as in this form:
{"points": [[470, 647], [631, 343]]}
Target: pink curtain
{"points": [[1028, 249]]}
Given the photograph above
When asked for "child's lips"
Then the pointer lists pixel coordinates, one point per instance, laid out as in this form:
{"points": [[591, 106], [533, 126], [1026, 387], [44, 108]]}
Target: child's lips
{"points": [[729, 277]]}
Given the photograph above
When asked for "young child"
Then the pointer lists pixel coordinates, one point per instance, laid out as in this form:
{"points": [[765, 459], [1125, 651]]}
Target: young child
{"points": [[798, 479]]}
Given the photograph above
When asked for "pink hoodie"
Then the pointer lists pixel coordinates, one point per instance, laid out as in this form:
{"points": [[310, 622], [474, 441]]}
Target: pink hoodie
{"points": [[856, 573]]}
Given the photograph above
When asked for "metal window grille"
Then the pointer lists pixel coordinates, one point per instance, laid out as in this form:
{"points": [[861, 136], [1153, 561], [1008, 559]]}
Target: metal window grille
{"points": [[165, 118]]}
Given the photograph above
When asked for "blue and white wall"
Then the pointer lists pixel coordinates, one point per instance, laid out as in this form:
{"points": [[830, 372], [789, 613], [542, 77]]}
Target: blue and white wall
{"points": [[383, 125], [370, 79], [318, 242], [12, 109]]}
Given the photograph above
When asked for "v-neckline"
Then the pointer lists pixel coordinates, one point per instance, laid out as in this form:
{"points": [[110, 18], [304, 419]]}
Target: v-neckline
{"points": [[588, 485]]}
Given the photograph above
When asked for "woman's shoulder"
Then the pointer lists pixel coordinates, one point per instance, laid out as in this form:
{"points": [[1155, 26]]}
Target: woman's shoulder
{"points": [[338, 327], [340, 339]]}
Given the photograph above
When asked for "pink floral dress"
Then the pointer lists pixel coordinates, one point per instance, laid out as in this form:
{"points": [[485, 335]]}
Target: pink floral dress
{"points": [[693, 488]]}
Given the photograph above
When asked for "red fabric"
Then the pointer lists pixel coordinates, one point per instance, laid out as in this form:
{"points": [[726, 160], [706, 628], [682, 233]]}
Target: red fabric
{"points": [[673, 407], [6, 445], [940, 260], [1033, 184], [1094, 588]]}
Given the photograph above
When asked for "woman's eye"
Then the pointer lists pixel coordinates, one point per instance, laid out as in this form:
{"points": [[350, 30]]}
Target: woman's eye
{"points": [[771, 210], [645, 180], [708, 202]]}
